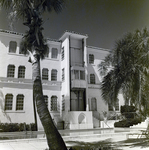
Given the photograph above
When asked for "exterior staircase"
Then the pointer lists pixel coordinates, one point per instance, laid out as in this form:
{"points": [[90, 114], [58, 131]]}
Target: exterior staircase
{"points": [[59, 123]]}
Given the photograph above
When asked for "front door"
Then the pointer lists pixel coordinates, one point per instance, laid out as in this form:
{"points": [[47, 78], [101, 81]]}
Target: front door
{"points": [[77, 100]]}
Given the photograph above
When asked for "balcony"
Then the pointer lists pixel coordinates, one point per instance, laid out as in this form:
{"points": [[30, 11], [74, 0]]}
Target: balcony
{"points": [[78, 83], [78, 77]]}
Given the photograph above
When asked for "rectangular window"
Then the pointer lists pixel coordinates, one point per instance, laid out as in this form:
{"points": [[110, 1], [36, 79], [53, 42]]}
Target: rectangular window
{"points": [[12, 47], [92, 79], [8, 101], [45, 75], [82, 75], [20, 102], [46, 99], [76, 72], [54, 75], [62, 54], [54, 52], [21, 72], [91, 59], [63, 74], [54, 103], [10, 71]]}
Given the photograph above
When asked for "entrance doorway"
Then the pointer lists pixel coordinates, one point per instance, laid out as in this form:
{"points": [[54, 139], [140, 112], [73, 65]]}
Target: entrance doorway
{"points": [[78, 100]]}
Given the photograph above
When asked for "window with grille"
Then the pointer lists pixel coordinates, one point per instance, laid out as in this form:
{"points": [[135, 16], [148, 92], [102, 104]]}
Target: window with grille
{"points": [[20, 102], [45, 75], [91, 58], [92, 79], [93, 104], [21, 72], [10, 71], [54, 75], [54, 103], [8, 101], [62, 54], [63, 74], [63, 103], [46, 99], [54, 53], [12, 47]]}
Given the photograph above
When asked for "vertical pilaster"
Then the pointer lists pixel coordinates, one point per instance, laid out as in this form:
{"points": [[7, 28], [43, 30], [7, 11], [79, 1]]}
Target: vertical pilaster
{"points": [[86, 74]]}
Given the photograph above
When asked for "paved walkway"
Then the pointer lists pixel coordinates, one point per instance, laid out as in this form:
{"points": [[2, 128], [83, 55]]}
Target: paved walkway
{"points": [[41, 144]]}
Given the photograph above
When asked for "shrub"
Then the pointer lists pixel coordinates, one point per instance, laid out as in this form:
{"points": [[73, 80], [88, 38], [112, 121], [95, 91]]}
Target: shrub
{"points": [[13, 127], [128, 111], [127, 123], [127, 108]]}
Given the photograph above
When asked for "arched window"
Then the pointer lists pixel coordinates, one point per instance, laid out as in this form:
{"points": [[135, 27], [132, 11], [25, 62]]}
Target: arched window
{"points": [[92, 79], [54, 53], [93, 104], [54, 75], [10, 71], [21, 72], [54, 103], [45, 75], [20, 102], [12, 47], [8, 101]]}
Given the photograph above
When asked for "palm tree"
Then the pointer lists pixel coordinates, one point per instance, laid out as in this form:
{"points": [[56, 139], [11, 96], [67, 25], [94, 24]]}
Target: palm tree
{"points": [[129, 69], [33, 41]]}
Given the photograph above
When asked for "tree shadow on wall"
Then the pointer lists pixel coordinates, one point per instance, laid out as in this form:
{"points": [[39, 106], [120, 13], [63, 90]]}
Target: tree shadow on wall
{"points": [[3, 115]]}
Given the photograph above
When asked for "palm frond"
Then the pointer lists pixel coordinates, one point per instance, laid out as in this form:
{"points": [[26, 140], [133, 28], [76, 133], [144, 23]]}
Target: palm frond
{"points": [[130, 59]]}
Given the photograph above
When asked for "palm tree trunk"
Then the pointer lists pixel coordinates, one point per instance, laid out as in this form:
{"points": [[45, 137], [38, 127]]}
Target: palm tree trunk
{"points": [[54, 139]]}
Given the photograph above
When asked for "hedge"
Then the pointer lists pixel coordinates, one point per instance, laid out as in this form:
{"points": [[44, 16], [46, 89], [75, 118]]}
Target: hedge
{"points": [[13, 127], [127, 123]]}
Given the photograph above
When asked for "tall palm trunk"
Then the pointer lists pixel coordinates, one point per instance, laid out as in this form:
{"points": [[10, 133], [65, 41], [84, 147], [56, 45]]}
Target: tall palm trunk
{"points": [[54, 139]]}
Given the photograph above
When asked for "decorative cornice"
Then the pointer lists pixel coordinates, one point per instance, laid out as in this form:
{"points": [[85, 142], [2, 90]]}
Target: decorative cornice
{"points": [[11, 32], [27, 83], [72, 32], [76, 33], [104, 49]]}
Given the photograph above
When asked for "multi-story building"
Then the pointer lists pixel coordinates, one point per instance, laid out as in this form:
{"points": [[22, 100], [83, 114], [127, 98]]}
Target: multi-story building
{"points": [[70, 78]]}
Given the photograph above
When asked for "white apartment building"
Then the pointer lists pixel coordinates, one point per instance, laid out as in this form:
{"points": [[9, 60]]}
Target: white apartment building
{"points": [[70, 77]]}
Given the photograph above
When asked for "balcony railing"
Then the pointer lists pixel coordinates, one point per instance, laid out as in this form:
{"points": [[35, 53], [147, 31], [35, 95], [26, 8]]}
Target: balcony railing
{"points": [[78, 83]]}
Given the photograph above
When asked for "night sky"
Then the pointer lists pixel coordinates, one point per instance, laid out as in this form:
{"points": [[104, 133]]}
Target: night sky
{"points": [[104, 21]]}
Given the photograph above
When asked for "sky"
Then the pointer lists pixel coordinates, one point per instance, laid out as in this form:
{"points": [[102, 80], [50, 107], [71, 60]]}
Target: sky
{"points": [[104, 21]]}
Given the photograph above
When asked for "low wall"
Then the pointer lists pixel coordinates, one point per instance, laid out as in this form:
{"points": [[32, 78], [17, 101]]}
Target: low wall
{"points": [[79, 120], [107, 124]]}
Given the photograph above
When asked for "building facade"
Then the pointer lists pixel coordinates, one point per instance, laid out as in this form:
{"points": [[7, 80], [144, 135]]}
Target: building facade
{"points": [[70, 78]]}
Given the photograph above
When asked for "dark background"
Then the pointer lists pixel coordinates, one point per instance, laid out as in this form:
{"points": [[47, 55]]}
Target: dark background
{"points": [[104, 21]]}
